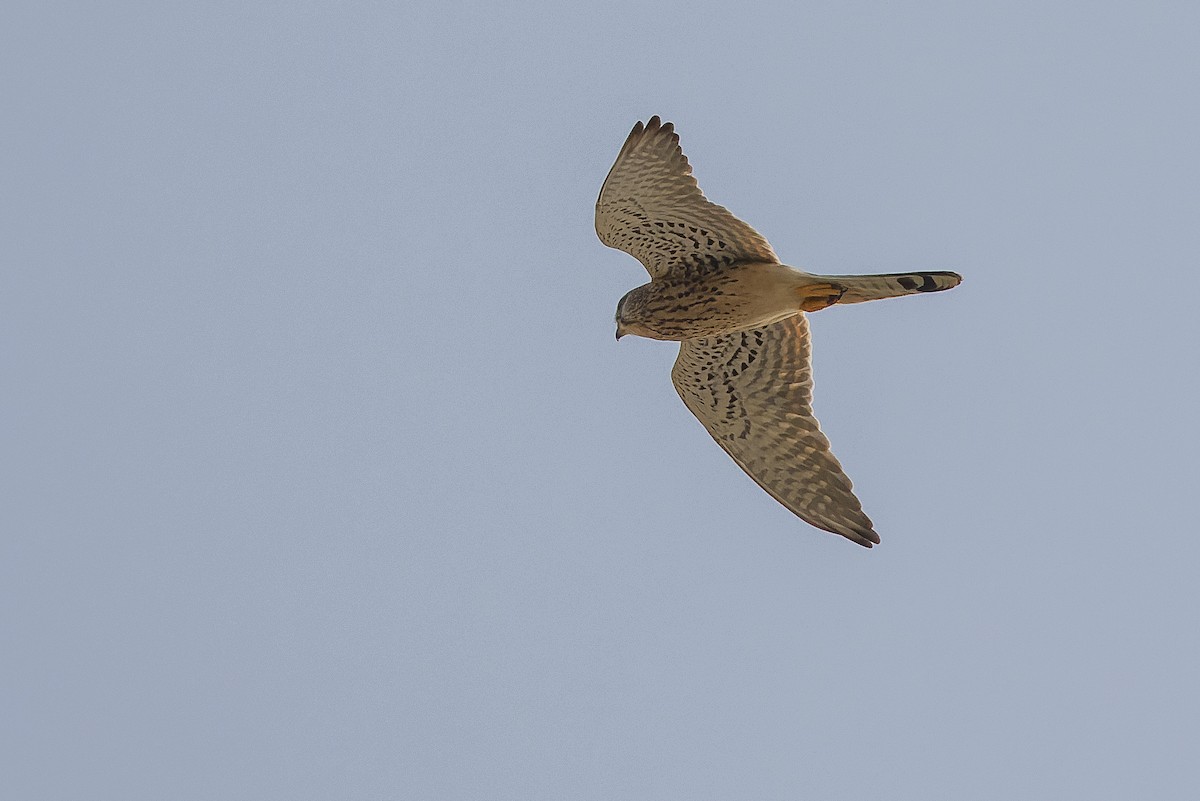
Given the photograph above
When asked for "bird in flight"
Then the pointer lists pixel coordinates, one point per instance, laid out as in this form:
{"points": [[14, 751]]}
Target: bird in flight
{"points": [[718, 289]]}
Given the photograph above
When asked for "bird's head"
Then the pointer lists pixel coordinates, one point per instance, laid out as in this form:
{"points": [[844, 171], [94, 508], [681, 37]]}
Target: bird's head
{"points": [[631, 314], [620, 315]]}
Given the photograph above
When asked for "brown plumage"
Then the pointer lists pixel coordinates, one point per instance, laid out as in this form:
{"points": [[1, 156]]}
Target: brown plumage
{"points": [[718, 288]]}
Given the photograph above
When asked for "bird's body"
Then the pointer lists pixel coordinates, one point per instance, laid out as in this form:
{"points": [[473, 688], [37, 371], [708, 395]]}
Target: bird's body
{"points": [[752, 294], [745, 294], [718, 288]]}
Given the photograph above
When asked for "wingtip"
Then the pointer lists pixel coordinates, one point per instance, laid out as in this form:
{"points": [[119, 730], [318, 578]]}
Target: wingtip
{"points": [[864, 536], [867, 538], [656, 125]]}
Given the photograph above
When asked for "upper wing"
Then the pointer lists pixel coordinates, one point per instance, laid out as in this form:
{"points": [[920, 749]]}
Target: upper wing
{"points": [[752, 390], [651, 207]]}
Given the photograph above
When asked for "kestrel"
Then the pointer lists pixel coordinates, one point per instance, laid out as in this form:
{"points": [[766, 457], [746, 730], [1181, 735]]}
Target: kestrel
{"points": [[718, 289]]}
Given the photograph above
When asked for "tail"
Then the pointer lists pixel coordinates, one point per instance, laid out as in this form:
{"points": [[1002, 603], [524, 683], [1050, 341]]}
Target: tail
{"points": [[860, 288]]}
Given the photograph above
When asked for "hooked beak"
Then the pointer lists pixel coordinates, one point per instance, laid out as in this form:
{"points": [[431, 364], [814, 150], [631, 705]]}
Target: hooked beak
{"points": [[620, 332]]}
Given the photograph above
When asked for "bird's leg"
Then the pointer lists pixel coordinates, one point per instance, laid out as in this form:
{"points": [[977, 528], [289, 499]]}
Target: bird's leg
{"points": [[815, 297]]}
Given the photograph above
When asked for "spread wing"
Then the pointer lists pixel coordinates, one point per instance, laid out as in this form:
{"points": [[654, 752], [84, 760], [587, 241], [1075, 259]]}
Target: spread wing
{"points": [[651, 207], [752, 390]]}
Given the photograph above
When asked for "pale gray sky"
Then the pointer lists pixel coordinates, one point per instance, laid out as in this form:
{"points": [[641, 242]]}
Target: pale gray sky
{"points": [[324, 477]]}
